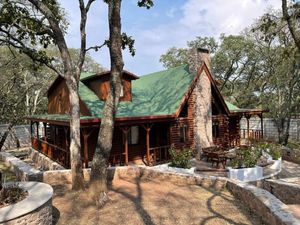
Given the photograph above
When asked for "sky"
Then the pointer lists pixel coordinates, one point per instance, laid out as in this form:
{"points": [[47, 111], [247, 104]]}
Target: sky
{"points": [[169, 23]]}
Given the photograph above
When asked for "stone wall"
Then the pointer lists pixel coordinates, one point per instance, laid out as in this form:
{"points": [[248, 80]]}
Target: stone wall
{"points": [[43, 162], [291, 155], [23, 171], [262, 203], [40, 216], [18, 132], [35, 209], [203, 112], [284, 189], [270, 130]]}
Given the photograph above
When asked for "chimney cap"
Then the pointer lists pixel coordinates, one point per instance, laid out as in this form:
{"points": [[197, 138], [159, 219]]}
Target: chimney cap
{"points": [[203, 50]]}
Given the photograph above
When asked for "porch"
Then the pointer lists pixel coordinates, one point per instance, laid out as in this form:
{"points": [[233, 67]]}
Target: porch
{"points": [[143, 143], [240, 135], [146, 143]]}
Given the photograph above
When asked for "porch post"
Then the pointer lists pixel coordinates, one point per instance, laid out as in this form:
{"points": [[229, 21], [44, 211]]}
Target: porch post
{"points": [[125, 131], [45, 132], [67, 146], [262, 125], [86, 133], [147, 127], [37, 130], [248, 126]]}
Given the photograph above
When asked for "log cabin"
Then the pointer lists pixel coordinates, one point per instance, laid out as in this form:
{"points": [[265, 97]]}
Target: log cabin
{"points": [[180, 107]]}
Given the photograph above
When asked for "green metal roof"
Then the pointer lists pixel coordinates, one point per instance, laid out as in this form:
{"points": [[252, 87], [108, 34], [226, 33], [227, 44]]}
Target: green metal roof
{"points": [[91, 100], [85, 75], [231, 107], [154, 94]]}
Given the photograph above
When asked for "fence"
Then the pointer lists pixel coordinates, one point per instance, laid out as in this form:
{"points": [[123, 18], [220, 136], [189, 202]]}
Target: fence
{"points": [[19, 136], [270, 129]]}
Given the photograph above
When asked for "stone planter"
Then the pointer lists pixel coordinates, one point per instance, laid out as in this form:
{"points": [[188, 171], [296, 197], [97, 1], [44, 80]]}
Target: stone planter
{"points": [[245, 174], [276, 164], [36, 208]]}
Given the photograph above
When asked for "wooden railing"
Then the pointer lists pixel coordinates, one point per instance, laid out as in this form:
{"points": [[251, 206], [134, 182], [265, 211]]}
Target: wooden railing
{"points": [[253, 134], [57, 154], [160, 154]]}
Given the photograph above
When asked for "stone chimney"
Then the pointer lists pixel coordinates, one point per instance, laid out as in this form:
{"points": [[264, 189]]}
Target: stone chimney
{"points": [[203, 99], [197, 56]]}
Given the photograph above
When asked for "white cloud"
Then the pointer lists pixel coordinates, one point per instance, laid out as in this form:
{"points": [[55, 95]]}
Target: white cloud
{"points": [[193, 18], [199, 18]]}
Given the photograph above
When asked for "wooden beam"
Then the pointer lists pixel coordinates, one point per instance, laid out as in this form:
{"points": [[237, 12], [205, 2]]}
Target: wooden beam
{"points": [[147, 127], [262, 126], [67, 144], [86, 134], [125, 131]]}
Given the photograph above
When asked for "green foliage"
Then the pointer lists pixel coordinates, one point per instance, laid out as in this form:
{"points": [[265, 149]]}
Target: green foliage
{"points": [[146, 3], [178, 56], [257, 69], [246, 157], [275, 152], [181, 158], [293, 145], [174, 57], [272, 148]]}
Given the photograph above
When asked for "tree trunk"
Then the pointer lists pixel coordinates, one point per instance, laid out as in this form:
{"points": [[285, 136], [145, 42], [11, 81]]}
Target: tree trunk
{"points": [[283, 126], [5, 134], [292, 24], [98, 185], [75, 145]]}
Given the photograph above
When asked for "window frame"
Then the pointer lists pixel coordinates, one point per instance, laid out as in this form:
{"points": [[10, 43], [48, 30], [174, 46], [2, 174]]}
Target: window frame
{"points": [[216, 129], [184, 133], [130, 137]]}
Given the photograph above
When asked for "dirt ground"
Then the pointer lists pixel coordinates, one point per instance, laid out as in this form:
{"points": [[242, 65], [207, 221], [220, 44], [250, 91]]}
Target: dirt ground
{"points": [[151, 202]]}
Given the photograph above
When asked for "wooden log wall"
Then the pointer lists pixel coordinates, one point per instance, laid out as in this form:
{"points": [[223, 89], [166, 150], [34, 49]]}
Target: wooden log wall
{"points": [[234, 130], [187, 120], [59, 103], [100, 86], [223, 139]]}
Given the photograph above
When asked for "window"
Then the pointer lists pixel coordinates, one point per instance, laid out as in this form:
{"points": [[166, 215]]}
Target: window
{"points": [[133, 135], [184, 133], [122, 91], [215, 130]]}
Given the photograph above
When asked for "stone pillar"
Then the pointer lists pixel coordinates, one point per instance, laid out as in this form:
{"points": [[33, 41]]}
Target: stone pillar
{"points": [[203, 113]]}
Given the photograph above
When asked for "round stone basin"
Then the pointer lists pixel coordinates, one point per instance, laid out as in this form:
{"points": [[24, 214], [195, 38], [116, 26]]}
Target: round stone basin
{"points": [[36, 208]]}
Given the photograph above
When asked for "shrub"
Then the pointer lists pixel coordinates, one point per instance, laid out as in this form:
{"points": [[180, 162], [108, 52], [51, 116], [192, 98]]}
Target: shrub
{"points": [[247, 157], [275, 151], [10, 194], [181, 158], [293, 145]]}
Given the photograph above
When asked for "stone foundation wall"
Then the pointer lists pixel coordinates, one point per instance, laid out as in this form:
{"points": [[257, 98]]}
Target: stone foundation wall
{"points": [[23, 171], [43, 162], [64, 176], [262, 203], [35, 209], [40, 216], [284, 189]]}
